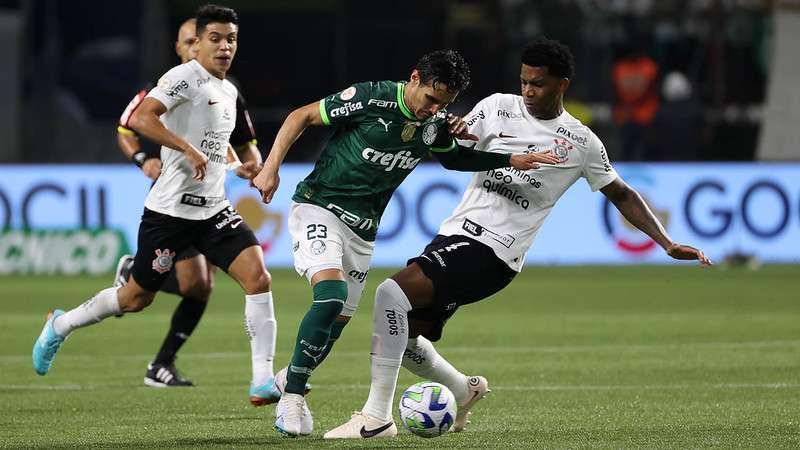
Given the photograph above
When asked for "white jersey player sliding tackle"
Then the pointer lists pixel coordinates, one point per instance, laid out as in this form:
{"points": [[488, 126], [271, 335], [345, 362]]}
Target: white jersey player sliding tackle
{"points": [[191, 113], [482, 245]]}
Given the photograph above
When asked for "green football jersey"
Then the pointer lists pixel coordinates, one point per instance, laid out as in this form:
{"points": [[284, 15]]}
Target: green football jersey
{"points": [[377, 143]]}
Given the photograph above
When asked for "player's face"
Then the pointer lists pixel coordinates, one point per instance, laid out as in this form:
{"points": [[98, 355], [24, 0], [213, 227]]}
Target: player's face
{"points": [[185, 45], [542, 92], [425, 100], [216, 47]]}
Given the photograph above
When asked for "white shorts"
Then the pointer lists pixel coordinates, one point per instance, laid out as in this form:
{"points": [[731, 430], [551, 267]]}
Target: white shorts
{"points": [[321, 241]]}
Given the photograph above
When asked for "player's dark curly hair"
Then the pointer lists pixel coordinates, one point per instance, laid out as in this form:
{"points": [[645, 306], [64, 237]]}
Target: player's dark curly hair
{"points": [[444, 66], [554, 55], [207, 14]]}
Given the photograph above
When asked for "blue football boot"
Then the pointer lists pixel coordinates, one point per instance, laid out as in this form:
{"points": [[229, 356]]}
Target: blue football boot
{"points": [[271, 391], [46, 346], [264, 394]]}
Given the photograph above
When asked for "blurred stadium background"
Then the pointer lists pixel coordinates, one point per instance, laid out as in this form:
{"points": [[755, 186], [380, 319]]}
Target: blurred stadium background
{"points": [[709, 85], [696, 101]]}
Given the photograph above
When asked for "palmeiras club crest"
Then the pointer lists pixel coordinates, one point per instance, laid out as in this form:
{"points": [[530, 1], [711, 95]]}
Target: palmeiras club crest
{"points": [[163, 261]]}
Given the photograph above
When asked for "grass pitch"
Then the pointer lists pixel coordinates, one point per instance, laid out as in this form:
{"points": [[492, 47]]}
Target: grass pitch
{"points": [[584, 357]]}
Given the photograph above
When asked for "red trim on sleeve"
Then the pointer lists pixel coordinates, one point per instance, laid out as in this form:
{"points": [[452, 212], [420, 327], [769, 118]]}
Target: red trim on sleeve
{"points": [[135, 102]]}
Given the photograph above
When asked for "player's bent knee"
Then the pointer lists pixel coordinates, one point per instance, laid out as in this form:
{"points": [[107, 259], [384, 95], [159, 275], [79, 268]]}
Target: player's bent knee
{"points": [[199, 286], [390, 294], [200, 291], [258, 283], [264, 280], [329, 298]]}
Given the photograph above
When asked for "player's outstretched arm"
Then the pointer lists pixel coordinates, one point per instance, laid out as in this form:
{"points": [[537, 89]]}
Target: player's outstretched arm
{"points": [[636, 211], [465, 159], [267, 180], [145, 120]]}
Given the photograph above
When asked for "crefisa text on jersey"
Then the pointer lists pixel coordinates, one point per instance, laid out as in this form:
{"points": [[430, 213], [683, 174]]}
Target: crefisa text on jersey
{"points": [[402, 160], [346, 109]]}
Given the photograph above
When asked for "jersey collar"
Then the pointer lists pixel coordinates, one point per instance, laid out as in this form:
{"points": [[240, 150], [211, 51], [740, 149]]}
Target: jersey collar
{"points": [[204, 70], [401, 89]]}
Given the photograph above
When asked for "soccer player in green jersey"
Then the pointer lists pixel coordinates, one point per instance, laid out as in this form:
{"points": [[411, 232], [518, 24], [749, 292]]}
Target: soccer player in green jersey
{"points": [[383, 130]]}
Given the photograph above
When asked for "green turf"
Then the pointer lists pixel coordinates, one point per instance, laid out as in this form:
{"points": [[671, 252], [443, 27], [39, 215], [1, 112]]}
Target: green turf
{"points": [[585, 357]]}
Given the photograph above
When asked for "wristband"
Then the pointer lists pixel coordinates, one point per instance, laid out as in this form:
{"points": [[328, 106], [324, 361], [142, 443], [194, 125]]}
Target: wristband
{"points": [[140, 157]]}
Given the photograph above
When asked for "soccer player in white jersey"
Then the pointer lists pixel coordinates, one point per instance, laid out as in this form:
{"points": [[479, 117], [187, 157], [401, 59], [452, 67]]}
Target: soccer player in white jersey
{"points": [[482, 245], [191, 113], [192, 277]]}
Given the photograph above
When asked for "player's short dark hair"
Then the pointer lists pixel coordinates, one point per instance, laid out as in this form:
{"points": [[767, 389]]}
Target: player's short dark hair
{"points": [[552, 54], [444, 66], [207, 14]]}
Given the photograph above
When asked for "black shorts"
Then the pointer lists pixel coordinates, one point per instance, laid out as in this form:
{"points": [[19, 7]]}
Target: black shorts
{"points": [[189, 253], [463, 271], [161, 237]]}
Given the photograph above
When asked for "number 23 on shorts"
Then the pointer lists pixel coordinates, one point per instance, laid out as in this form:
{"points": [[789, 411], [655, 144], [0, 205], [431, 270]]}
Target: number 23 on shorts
{"points": [[316, 231]]}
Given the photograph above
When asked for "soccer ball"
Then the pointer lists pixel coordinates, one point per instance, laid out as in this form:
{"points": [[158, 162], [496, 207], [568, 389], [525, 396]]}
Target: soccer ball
{"points": [[427, 409]]}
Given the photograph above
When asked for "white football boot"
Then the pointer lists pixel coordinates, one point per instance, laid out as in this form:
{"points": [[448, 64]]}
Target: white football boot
{"points": [[478, 387], [363, 426], [123, 271], [280, 381], [293, 416]]}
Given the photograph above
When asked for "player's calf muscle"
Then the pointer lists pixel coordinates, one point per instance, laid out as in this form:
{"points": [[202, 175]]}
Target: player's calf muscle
{"points": [[134, 298]]}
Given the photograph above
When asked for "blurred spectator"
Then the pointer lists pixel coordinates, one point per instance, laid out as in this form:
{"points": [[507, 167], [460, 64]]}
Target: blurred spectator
{"points": [[676, 132], [635, 75]]}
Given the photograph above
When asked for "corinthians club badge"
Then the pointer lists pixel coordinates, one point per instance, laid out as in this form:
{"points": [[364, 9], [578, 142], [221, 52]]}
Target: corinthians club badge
{"points": [[408, 131]]}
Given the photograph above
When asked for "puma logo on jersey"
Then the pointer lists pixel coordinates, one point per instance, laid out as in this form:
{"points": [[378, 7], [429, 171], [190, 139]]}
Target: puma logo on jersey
{"points": [[384, 123]]}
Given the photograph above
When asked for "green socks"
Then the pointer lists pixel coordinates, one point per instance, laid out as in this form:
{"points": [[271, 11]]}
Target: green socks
{"points": [[315, 330], [336, 331]]}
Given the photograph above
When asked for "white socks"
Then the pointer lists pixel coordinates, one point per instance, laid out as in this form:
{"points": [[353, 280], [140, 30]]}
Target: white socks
{"points": [[261, 328], [389, 339], [97, 308], [424, 361]]}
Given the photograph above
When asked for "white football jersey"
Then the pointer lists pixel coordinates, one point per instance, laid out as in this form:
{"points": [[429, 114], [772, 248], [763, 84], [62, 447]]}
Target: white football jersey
{"points": [[201, 109], [504, 208]]}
